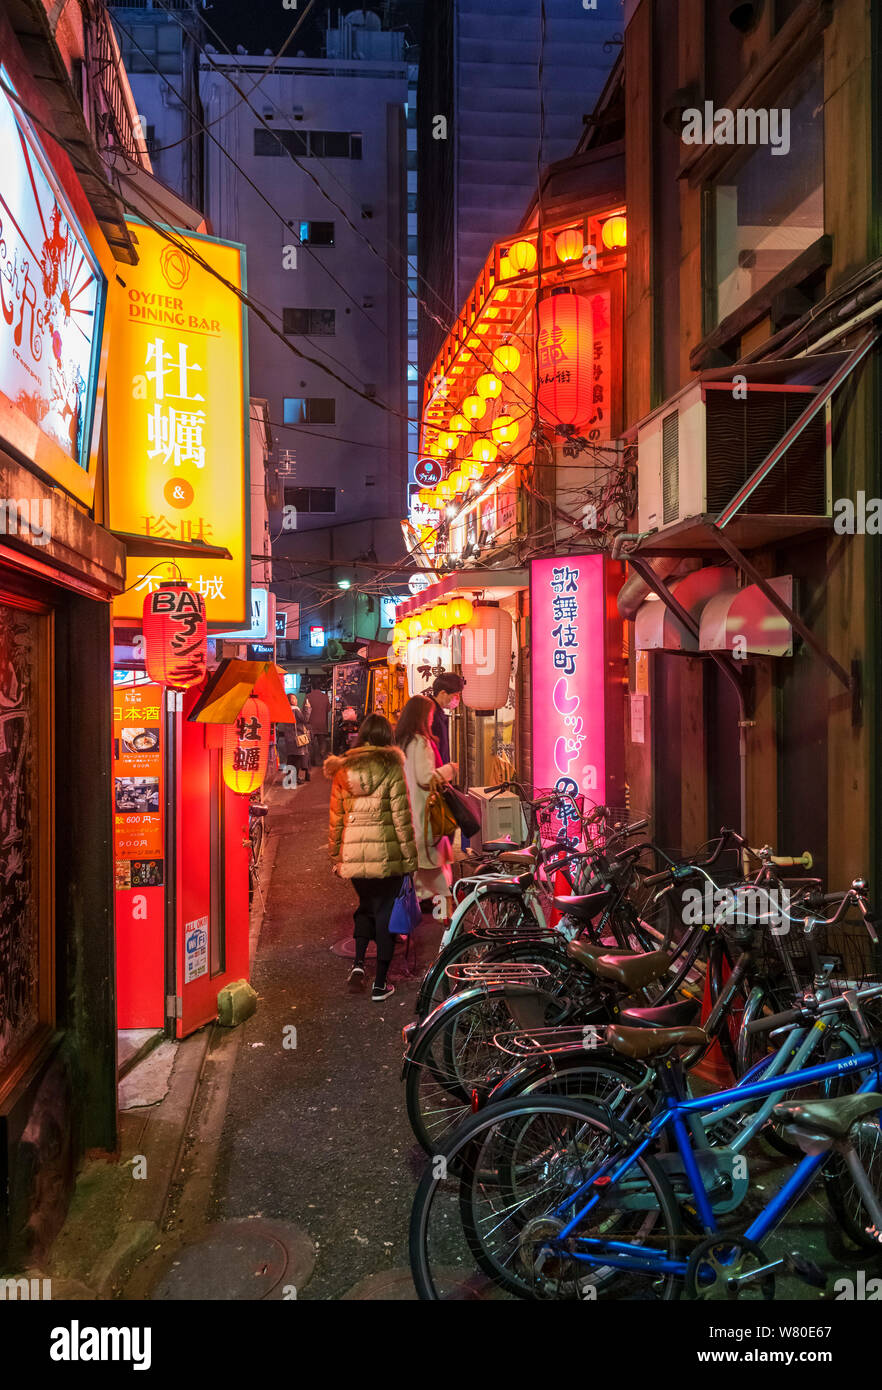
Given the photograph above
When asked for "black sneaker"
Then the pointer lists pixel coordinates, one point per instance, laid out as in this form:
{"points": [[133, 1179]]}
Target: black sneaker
{"points": [[356, 981], [382, 991]]}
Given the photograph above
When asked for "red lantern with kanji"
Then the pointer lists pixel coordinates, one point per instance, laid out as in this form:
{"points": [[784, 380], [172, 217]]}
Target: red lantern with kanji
{"points": [[175, 635], [565, 360], [246, 748]]}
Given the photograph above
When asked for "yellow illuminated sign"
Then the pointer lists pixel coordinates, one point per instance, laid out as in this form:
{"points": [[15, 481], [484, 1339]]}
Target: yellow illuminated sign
{"points": [[176, 417]]}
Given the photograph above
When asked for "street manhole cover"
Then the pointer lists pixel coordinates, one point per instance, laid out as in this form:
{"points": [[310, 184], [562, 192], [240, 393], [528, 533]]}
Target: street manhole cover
{"points": [[243, 1260]]}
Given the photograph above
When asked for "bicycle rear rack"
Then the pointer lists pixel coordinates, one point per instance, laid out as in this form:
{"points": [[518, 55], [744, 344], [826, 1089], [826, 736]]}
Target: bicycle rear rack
{"points": [[483, 973], [542, 1042]]}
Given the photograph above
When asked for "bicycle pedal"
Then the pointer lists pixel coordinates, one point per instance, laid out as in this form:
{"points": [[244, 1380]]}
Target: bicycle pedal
{"points": [[806, 1270]]}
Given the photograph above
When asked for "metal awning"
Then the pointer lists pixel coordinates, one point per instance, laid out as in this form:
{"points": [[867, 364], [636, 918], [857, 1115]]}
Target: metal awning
{"points": [[744, 622], [657, 628], [491, 584], [158, 547]]}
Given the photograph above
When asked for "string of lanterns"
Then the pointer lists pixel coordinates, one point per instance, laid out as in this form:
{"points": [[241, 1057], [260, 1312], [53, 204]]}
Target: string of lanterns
{"points": [[442, 616]]}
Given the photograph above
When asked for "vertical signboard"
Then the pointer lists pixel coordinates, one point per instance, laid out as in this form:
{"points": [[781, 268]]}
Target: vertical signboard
{"points": [[569, 677], [176, 402], [138, 850]]}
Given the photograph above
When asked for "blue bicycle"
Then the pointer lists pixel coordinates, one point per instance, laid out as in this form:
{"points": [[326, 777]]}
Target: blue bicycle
{"points": [[551, 1197]]}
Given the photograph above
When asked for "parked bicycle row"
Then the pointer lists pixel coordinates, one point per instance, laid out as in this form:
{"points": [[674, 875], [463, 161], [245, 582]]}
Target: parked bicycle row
{"points": [[565, 1072]]}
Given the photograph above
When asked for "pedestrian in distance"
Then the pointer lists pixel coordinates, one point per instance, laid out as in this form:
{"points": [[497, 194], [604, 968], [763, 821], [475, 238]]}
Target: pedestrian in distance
{"points": [[445, 695], [371, 841], [426, 771]]}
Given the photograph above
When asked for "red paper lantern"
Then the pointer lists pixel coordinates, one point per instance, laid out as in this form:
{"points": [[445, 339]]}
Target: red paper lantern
{"points": [[175, 635], [246, 748], [565, 354], [487, 647]]}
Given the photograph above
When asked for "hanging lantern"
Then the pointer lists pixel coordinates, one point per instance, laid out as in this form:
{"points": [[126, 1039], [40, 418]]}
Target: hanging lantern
{"points": [[569, 245], [565, 352], [414, 626], [505, 429], [521, 259], [450, 441], [484, 450], [487, 648], [442, 616], [425, 495], [474, 407], [488, 386], [175, 635], [461, 610], [458, 424], [506, 358], [614, 232], [471, 469], [427, 534], [246, 748], [456, 481], [399, 635], [445, 491]]}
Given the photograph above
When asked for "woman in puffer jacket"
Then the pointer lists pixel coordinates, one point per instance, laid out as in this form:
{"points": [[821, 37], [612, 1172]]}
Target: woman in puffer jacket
{"points": [[371, 840]]}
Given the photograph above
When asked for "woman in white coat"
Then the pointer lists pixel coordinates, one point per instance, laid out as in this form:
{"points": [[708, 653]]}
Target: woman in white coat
{"points": [[425, 771]]}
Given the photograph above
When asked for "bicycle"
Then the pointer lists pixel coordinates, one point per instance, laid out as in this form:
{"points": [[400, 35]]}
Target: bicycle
{"points": [[555, 1198], [257, 814]]}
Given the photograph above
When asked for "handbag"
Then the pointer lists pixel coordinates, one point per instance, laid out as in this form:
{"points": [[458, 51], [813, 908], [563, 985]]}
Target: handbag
{"points": [[461, 808], [438, 820], [302, 740], [405, 909]]}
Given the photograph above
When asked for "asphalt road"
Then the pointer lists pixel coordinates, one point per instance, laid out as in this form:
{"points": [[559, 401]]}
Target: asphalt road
{"points": [[317, 1134]]}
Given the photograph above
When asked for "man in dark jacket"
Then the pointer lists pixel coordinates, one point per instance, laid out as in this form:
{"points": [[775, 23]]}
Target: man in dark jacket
{"points": [[319, 705], [446, 690]]}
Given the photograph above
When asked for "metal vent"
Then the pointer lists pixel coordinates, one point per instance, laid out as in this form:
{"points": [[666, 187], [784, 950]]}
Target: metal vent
{"points": [[739, 436], [670, 468]]}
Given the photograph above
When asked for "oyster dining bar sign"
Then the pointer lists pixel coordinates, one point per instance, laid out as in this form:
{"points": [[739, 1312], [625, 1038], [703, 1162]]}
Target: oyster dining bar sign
{"points": [[177, 434], [52, 293]]}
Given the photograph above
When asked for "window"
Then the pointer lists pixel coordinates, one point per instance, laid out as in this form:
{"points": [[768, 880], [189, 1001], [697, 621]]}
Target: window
{"points": [[311, 499], [305, 144], [309, 410], [765, 208], [314, 322], [411, 246], [412, 159], [412, 202], [316, 233], [151, 47]]}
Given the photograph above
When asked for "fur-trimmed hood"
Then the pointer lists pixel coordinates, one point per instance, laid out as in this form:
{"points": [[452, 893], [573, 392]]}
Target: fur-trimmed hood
{"points": [[365, 768]]}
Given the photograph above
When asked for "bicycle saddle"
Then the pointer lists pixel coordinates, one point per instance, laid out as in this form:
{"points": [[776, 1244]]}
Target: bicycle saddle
{"points": [[588, 952], [831, 1118], [515, 886], [680, 1014], [582, 906], [257, 808], [520, 858], [648, 1042], [497, 846], [631, 971]]}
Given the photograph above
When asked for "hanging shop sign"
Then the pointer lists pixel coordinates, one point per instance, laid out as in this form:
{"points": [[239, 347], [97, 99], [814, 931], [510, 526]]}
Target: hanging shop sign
{"points": [[316, 636], [565, 354], [428, 472], [137, 783], [177, 399], [260, 619], [175, 636], [52, 297], [568, 676]]}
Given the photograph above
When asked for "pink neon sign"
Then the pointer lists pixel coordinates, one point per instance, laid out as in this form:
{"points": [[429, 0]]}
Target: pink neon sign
{"points": [[567, 646]]}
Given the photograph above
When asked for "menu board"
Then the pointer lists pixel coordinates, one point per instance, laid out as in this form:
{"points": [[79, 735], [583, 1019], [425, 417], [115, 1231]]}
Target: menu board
{"points": [[137, 784]]}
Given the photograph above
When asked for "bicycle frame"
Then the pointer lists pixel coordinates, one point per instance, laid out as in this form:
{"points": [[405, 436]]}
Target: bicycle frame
{"points": [[619, 1255]]}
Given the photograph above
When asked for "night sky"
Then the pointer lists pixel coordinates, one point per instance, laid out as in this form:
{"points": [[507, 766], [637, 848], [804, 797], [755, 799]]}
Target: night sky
{"points": [[266, 24]]}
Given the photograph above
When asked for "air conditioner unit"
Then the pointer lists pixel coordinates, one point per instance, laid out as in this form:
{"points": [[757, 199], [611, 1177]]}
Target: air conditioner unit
{"points": [[502, 816], [698, 450]]}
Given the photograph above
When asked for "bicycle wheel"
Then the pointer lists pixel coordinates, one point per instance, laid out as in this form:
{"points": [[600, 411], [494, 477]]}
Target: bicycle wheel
{"points": [[456, 1055], [501, 1190], [656, 913], [256, 834], [843, 1195], [494, 911]]}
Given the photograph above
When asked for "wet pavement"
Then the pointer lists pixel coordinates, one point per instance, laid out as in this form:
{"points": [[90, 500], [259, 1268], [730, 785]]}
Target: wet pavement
{"points": [[316, 1133]]}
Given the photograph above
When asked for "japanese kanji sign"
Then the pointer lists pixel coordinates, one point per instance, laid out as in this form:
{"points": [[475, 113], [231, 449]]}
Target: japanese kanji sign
{"points": [[567, 648], [177, 435]]}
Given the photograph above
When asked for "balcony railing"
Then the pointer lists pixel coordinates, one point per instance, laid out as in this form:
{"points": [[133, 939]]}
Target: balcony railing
{"points": [[115, 122]]}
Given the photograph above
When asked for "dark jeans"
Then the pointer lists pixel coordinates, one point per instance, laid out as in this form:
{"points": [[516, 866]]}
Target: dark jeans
{"points": [[376, 897], [319, 748]]}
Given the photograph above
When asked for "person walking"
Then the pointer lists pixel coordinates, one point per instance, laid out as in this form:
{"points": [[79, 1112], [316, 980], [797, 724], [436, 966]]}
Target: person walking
{"points": [[371, 840], [446, 691], [425, 771], [317, 711]]}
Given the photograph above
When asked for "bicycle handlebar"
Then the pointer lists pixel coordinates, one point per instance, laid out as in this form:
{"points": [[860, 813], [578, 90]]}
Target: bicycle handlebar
{"points": [[771, 1021]]}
